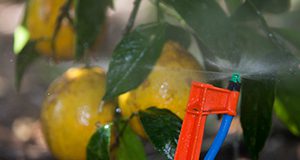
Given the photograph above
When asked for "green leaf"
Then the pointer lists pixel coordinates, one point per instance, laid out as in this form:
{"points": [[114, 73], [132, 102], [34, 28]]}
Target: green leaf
{"points": [[178, 34], [287, 101], [272, 6], [163, 129], [89, 19], [212, 27], [291, 35], [256, 112], [246, 11], [21, 37], [99, 145], [133, 59], [24, 59], [232, 5], [130, 146]]}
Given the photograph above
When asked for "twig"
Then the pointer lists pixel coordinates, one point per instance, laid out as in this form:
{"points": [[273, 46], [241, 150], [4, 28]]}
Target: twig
{"points": [[64, 14], [132, 17], [159, 14], [119, 134]]}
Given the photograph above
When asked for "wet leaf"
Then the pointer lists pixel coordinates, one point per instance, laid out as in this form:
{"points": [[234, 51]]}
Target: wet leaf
{"points": [[287, 101], [23, 60], [216, 34], [89, 19], [130, 146], [256, 112], [233, 5], [99, 145], [163, 129], [291, 35], [133, 59], [246, 11], [272, 6]]}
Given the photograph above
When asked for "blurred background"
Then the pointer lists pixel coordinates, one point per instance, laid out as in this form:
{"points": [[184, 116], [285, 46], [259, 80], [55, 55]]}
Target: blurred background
{"points": [[20, 131]]}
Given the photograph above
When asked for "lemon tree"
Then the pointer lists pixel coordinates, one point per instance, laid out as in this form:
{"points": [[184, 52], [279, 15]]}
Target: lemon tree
{"points": [[150, 72]]}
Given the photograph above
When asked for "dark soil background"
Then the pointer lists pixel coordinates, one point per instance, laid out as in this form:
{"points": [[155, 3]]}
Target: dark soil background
{"points": [[20, 131]]}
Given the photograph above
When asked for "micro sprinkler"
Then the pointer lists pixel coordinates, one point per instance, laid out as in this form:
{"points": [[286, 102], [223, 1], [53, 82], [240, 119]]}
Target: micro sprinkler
{"points": [[204, 100]]}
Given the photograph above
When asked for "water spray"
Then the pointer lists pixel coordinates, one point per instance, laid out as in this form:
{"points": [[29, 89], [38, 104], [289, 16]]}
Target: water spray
{"points": [[204, 100]]}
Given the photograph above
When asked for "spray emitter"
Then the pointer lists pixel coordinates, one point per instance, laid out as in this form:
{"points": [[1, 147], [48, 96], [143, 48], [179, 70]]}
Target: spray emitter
{"points": [[204, 100]]}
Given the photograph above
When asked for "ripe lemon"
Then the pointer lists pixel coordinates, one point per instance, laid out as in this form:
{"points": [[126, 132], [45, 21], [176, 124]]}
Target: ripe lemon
{"points": [[71, 110], [41, 21], [167, 86]]}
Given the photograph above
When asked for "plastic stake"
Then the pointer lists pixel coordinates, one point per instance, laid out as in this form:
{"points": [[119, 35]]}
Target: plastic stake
{"points": [[204, 100]]}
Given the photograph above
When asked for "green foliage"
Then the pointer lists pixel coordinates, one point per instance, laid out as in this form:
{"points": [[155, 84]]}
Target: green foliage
{"points": [[99, 145], [213, 28], [163, 129], [287, 101], [129, 145], [90, 17], [272, 6], [24, 59], [133, 58], [235, 37], [178, 34], [291, 35], [21, 37], [256, 112]]}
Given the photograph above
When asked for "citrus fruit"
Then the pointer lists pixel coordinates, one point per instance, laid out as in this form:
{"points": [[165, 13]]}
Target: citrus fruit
{"points": [[41, 21], [167, 86], [71, 110]]}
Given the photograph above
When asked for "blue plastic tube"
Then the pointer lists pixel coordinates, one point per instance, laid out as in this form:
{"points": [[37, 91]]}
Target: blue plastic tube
{"points": [[219, 139]]}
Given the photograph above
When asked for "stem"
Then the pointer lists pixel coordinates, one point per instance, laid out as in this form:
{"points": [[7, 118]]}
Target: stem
{"points": [[64, 14], [126, 124], [132, 17], [119, 134], [159, 14]]}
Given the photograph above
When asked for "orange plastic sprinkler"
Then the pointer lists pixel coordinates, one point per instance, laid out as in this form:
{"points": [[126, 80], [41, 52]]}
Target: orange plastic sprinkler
{"points": [[204, 100]]}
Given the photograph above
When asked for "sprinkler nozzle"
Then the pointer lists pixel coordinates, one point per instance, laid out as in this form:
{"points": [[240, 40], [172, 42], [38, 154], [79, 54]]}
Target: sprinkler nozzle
{"points": [[236, 78]]}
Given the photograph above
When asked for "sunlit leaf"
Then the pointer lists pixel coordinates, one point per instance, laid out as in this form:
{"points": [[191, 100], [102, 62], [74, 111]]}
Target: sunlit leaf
{"points": [[21, 37], [99, 145], [130, 146], [133, 58], [256, 112], [24, 59], [89, 19], [163, 129]]}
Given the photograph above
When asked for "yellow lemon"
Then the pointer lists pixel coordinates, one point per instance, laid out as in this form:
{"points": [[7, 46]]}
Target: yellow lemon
{"points": [[41, 22], [167, 86], [71, 110]]}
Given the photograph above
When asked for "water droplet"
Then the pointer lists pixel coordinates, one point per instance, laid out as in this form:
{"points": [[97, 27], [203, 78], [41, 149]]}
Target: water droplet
{"points": [[270, 35], [11, 60], [128, 58], [100, 108], [118, 110], [83, 115], [163, 91]]}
